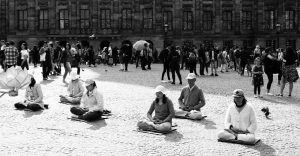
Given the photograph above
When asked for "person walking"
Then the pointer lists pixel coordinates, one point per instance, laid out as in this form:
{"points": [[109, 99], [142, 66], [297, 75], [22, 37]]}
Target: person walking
{"points": [[127, 53], [149, 56], [35, 55], [91, 54], [192, 63], [257, 80], [268, 62], [202, 59], [174, 58], [24, 56], [164, 58], [214, 61], [66, 59], [290, 73]]}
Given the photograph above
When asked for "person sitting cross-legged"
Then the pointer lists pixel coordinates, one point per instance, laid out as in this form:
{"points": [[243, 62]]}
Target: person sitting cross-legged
{"points": [[191, 99], [33, 97], [240, 121], [75, 90], [91, 104], [164, 112]]}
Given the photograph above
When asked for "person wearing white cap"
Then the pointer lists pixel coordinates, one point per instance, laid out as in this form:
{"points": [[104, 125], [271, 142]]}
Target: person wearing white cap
{"points": [[33, 97], [75, 90], [91, 104], [191, 99], [164, 112], [240, 121]]}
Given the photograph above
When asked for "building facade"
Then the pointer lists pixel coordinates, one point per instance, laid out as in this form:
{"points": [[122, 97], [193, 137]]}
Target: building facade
{"points": [[212, 22]]}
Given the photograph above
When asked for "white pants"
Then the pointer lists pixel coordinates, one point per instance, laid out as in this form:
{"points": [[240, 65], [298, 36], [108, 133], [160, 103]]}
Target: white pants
{"points": [[144, 125], [243, 137]]}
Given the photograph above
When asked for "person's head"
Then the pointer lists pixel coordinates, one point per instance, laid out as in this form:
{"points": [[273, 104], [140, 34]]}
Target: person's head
{"points": [[268, 50], [78, 46], [257, 61], [257, 47], [68, 46], [23, 46], [2, 42], [32, 81], [145, 45], [239, 98], [45, 44], [50, 44], [191, 78], [160, 92], [90, 84], [11, 43], [74, 76]]}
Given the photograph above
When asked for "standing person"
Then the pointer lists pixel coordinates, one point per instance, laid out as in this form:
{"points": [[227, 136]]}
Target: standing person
{"points": [[121, 58], [137, 57], [174, 58], [91, 104], [24, 56], [35, 55], [42, 53], [164, 112], [268, 61], [33, 97], [164, 57], [290, 74], [240, 120], [56, 58], [144, 56], [257, 80], [192, 62], [11, 54], [214, 61], [280, 59], [77, 57], [66, 59], [257, 52], [222, 59], [115, 55], [150, 56], [237, 57], [184, 56], [47, 63], [207, 60], [91, 54], [2, 55], [127, 52], [202, 59], [244, 60]]}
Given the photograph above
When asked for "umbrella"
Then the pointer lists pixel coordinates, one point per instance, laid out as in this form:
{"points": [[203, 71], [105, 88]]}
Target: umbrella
{"points": [[14, 79], [139, 45]]}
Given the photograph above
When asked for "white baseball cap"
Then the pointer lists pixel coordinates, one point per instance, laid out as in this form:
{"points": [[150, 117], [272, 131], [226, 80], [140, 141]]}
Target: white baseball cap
{"points": [[161, 89], [191, 76]]}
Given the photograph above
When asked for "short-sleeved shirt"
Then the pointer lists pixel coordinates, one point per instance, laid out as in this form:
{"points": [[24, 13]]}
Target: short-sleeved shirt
{"points": [[11, 55]]}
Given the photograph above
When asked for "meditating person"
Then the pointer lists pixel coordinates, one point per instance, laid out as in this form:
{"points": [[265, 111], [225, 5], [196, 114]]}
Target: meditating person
{"points": [[75, 90], [33, 97], [191, 99], [164, 112], [240, 121], [91, 104]]}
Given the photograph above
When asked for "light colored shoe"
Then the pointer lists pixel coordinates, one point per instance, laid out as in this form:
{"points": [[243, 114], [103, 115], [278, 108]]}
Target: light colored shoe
{"points": [[255, 96], [270, 94]]}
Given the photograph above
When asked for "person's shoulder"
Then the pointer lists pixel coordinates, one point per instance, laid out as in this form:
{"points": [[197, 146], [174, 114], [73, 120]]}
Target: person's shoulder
{"points": [[185, 88], [249, 106]]}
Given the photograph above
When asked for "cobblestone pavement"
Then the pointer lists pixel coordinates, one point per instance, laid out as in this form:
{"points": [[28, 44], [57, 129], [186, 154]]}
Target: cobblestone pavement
{"points": [[128, 95]]}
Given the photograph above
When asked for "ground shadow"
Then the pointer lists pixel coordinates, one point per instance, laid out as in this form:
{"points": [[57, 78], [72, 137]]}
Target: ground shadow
{"points": [[28, 114], [263, 148], [209, 124], [271, 100], [96, 125], [45, 82], [175, 136]]}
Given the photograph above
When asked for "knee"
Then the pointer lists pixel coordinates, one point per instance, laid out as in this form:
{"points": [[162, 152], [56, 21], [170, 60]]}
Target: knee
{"points": [[164, 127], [74, 110], [225, 135], [19, 105], [221, 134]]}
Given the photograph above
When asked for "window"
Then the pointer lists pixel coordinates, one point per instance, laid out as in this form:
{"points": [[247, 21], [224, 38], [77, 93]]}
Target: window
{"points": [[246, 20], [3, 16], [127, 19], [290, 19], [84, 18], [43, 20], [207, 20], [105, 19], [187, 20], [271, 44], [63, 19], [248, 44], [22, 20], [269, 19], [291, 43], [168, 16], [228, 44], [148, 18], [227, 20]]}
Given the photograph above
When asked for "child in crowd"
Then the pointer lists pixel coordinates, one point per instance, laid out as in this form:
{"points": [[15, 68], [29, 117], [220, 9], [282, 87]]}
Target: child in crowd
{"points": [[257, 80]]}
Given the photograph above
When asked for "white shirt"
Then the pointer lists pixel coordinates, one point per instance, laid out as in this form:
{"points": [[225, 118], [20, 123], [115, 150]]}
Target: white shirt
{"points": [[24, 53], [244, 120], [93, 101]]}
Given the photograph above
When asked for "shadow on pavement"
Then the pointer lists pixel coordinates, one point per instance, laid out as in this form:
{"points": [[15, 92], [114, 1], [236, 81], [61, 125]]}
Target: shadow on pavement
{"points": [[263, 148], [28, 114], [97, 125], [45, 82], [174, 137], [209, 124]]}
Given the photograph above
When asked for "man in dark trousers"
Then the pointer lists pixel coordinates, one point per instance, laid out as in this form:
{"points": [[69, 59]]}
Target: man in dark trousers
{"points": [[164, 58], [127, 52], [144, 56], [202, 60]]}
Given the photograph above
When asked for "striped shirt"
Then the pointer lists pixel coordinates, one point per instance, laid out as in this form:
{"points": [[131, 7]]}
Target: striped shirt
{"points": [[11, 55]]}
